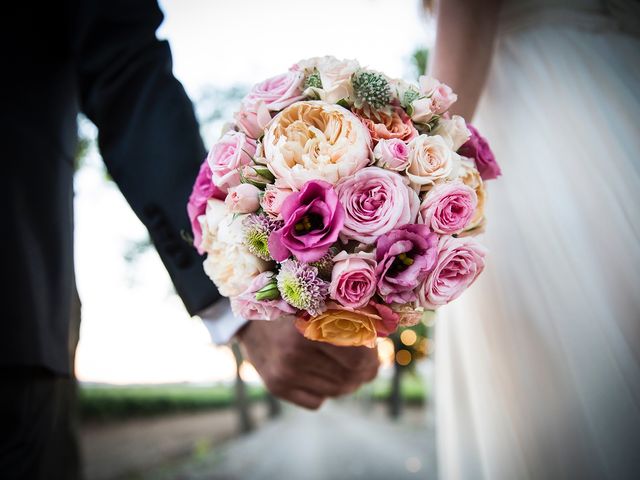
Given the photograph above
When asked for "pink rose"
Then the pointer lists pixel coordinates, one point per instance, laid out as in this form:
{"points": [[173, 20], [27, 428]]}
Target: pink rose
{"points": [[353, 279], [392, 154], [253, 118], [458, 264], [375, 202], [448, 207], [243, 198], [273, 199], [203, 190], [246, 306], [233, 151], [440, 95], [277, 92]]}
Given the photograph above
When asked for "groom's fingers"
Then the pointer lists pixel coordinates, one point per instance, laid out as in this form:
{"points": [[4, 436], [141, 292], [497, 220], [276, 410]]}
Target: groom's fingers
{"points": [[361, 362], [322, 386], [304, 399]]}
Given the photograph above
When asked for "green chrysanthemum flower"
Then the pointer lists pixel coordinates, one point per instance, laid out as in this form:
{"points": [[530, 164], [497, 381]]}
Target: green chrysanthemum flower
{"points": [[257, 229], [301, 287], [372, 89]]}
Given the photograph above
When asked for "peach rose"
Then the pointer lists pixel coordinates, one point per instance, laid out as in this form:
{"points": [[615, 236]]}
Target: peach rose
{"points": [[342, 326], [315, 140], [395, 125], [471, 177]]}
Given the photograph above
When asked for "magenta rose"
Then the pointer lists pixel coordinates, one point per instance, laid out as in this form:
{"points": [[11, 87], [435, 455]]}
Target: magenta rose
{"points": [[479, 151], [246, 306], [448, 207], [353, 279], [392, 154], [459, 262], [277, 92], [233, 151], [375, 202], [405, 257], [203, 190], [313, 219]]}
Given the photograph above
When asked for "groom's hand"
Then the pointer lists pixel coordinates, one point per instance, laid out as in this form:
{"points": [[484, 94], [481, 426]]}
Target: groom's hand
{"points": [[302, 371]]}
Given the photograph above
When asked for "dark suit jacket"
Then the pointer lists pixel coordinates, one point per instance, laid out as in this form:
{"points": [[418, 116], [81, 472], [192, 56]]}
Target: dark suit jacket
{"points": [[100, 57]]}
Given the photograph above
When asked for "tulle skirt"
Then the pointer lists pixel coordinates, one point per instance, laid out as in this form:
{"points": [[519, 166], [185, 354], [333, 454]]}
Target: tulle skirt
{"points": [[538, 363]]}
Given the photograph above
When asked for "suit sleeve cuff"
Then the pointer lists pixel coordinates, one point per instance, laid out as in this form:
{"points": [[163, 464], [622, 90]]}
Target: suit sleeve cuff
{"points": [[220, 321]]}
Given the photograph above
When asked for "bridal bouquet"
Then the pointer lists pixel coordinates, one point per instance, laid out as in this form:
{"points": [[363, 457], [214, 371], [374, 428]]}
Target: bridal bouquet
{"points": [[342, 200]]}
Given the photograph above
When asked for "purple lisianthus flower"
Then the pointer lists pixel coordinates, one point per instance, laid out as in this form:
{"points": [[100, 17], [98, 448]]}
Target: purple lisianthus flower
{"points": [[313, 218], [479, 151], [405, 257], [203, 190]]}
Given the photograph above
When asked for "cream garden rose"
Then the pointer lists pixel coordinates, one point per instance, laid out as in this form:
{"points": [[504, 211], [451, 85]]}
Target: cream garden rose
{"points": [[315, 140], [431, 160]]}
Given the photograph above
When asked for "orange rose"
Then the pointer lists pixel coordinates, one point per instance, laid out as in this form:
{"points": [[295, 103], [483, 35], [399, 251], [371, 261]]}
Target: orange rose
{"points": [[342, 326], [396, 125]]}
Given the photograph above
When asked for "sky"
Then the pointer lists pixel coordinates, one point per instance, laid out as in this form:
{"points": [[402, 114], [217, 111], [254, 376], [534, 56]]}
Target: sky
{"points": [[134, 328]]}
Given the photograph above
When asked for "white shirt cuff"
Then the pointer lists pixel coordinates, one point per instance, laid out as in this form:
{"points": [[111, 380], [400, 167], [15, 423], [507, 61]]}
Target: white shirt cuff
{"points": [[221, 322]]}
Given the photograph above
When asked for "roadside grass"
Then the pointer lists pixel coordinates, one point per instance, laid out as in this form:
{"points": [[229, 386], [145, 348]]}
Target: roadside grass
{"points": [[111, 402]]}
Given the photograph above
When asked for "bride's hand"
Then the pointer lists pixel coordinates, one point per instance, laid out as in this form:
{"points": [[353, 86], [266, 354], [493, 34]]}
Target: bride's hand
{"points": [[302, 371]]}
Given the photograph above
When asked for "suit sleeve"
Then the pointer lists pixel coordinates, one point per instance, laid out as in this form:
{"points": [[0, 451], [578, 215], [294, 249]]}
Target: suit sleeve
{"points": [[148, 134]]}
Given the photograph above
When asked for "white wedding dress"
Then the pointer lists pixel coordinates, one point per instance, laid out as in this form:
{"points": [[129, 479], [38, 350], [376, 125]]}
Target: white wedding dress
{"points": [[538, 363]]}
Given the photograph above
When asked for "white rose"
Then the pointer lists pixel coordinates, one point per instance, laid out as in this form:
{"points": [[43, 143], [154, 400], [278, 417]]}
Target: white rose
{"points": [[421, 110], [216, 210], [232, 268], [431, 160], [454, 130], [230, 229], [335, 76], [315, 140], [229, 263]]}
